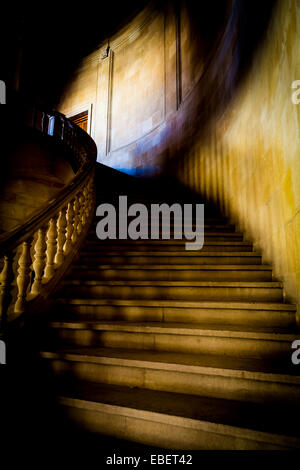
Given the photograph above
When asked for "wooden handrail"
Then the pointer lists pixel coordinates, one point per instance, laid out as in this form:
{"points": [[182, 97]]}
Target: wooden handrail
{"points": [[37, 253]]}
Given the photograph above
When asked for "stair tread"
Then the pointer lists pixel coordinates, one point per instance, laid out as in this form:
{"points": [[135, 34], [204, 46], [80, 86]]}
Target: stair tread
{"points": [[189, 225], [207, 233], [264, 418], [180, 253], [221, 330], [266, 422], [171, 241], [189, 229], [261, 284], [208, 222], [245, 368], [180, 303], [173, 267]]}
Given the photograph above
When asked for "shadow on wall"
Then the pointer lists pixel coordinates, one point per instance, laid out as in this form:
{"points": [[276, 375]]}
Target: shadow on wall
{"points": [[247, 161], [227, 68]]}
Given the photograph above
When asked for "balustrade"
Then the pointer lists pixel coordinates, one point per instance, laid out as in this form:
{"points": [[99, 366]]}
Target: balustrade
{"points": [[36, 254]]}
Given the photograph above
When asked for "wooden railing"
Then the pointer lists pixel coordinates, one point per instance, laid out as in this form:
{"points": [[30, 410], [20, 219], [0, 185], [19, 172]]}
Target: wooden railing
{"points": [[36, 254]]}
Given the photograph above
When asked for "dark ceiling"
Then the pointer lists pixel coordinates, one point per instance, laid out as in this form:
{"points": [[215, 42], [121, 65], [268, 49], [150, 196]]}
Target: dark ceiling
{"points": [[54, 35]]}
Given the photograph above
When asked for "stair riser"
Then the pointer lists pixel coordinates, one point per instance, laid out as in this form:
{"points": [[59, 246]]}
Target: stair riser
{"points": [[94, 242], [171, 275], [208, 221], [186, 233], [165, 235], [208, 228], [263, 294], [144, 260], [251, 318], [98, 247], [218, 386], [230, 346], [209, 225], [156, 433]]}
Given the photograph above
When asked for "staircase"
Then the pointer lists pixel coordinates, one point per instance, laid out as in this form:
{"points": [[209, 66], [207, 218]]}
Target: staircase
{"points": [[150, 343]]}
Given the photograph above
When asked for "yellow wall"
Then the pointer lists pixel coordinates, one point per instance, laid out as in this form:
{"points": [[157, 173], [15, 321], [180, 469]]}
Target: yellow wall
{"points": [[160, 81], [250, 163]]}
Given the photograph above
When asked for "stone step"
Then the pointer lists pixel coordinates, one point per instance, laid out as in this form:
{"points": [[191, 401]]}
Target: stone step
{"points": [[173, 272], [97, 246], [131, 199], [206, 423], [175, 290], [176, 337], [251, 314], [174, 257], [145, 335], [243, 379], [169, 237], [209, 229], [218, 223]]}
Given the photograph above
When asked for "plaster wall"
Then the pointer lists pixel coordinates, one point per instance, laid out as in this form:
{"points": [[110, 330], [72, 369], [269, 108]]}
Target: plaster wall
{"points": [[249, 162], [134, 83], [162, 96]]}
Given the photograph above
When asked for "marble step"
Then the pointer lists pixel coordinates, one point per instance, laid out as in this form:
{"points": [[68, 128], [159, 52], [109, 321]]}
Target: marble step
{"points": [[97, 246], [185, 421], [173, 272], [250, 314], [174, 290], [176, 337], [243, 379], [173, 257]]}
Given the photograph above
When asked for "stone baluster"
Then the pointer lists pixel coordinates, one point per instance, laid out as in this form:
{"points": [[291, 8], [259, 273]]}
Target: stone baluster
{"points": [[86, 203], [89, 198], [69, 232], [51, 248], [61, 236], [39, 262], [63, 128], [42, 122], [24, 274], [75, 219], [6, 279], [80, 212], [92, 192], [83, 208]]}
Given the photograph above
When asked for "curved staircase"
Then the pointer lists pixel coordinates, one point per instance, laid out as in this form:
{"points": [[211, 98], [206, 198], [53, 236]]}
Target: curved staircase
{"points": [[150, 343]]}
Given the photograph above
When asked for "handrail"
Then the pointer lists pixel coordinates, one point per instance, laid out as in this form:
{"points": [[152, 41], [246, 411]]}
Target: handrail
{"points": [[37, 253]]}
